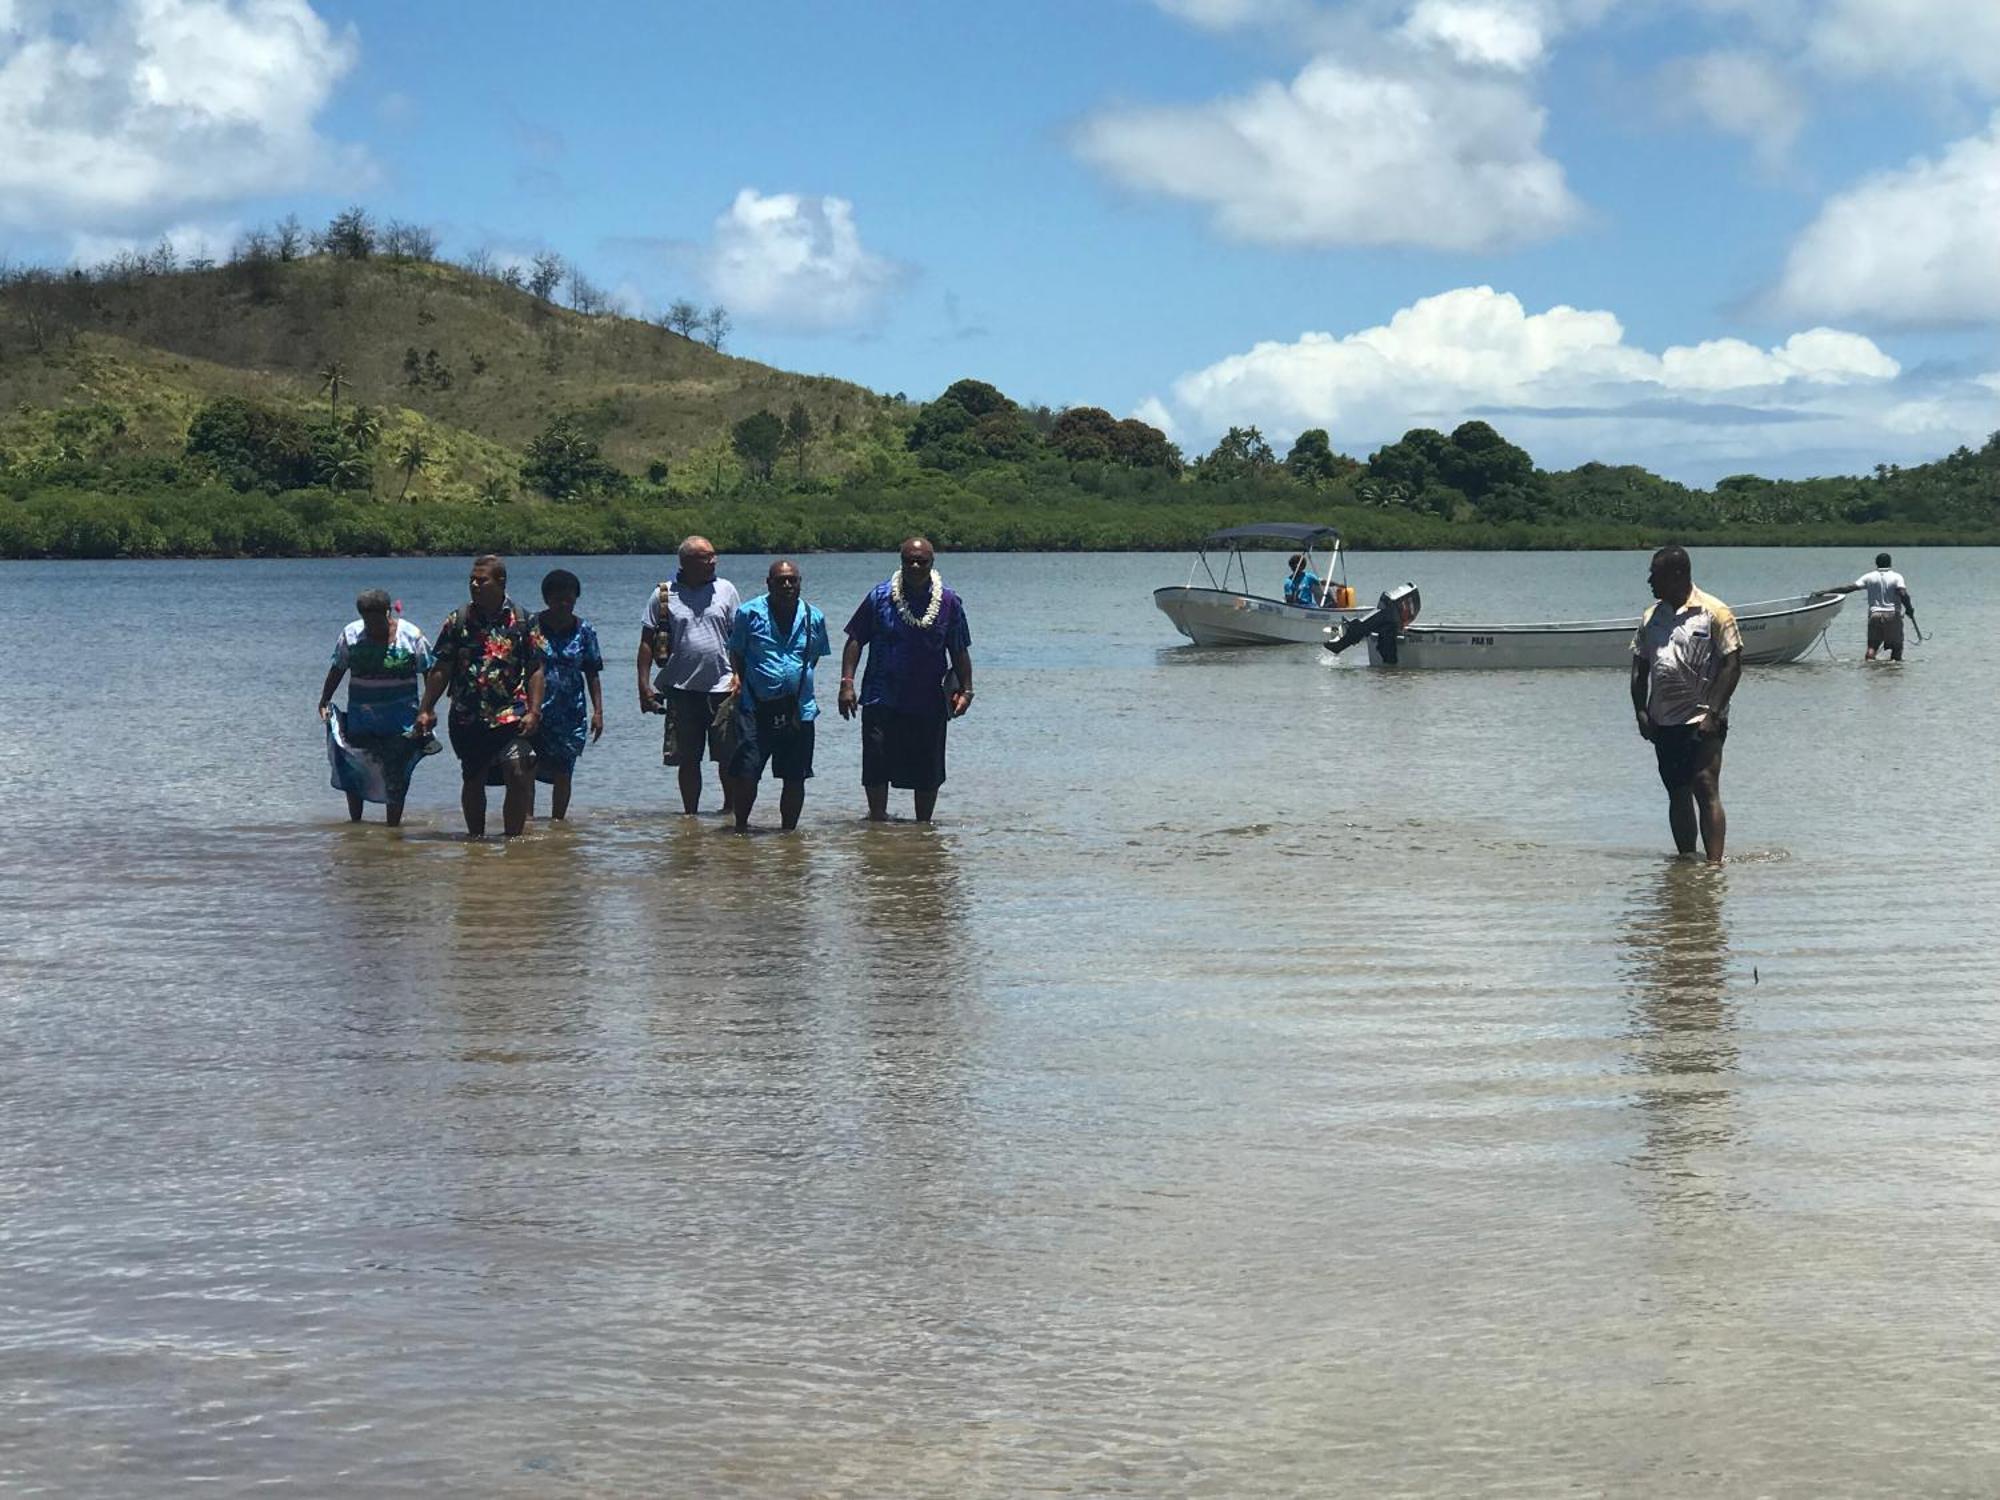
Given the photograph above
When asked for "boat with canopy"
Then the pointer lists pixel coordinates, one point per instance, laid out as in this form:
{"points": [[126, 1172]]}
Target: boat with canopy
{"points": [[1226, 611]]}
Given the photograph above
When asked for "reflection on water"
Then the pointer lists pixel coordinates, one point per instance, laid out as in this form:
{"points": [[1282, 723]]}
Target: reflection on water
{"points": [[1676, 959], [921, 985], [912, 908]]}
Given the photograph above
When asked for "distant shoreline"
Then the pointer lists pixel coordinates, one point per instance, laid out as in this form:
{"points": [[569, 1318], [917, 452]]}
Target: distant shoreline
{"points": [[1692, 542], [221, 523]]}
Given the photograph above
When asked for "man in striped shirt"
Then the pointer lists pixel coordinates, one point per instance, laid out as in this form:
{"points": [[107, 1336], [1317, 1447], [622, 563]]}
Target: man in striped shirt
{"points": [[1687, 656]]}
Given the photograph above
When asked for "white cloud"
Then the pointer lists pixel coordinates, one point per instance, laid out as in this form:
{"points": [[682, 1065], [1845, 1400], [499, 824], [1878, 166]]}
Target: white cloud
{"points": [[1569, 386], [126, 113], [1227, 15], [1915, 247], [1478, 34], [1343, 157], [795, 262], [1153, 412], [1819, 356], [1739, 93], [1918, 39], [189, 242]]}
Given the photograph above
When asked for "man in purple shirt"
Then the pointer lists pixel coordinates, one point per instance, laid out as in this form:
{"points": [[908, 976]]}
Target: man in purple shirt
{"points": [[915, 631]]}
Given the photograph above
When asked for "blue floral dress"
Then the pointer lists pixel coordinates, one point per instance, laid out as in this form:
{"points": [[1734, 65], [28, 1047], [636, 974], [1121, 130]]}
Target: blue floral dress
{"points": [[568, 663]]}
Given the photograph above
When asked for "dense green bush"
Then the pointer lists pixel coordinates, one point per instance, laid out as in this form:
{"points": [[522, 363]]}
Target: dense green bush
{"points": [[248, 445]]}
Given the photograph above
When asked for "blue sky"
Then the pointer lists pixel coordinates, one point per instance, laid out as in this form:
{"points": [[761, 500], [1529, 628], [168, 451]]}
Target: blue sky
{"points": [[1704, 235]]}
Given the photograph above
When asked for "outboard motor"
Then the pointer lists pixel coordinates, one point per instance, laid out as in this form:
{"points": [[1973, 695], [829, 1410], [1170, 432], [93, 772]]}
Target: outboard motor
{"points": [[1385, 622]]}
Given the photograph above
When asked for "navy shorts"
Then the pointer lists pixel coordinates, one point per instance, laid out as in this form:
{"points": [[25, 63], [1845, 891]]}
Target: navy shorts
{"points": [[1683, 753], [789, 755], [903, 750], [485, 751]]}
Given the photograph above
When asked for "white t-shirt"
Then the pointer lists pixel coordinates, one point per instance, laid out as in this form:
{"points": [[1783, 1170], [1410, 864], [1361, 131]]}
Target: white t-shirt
{"points": [[1884, 585], [701, 621]]}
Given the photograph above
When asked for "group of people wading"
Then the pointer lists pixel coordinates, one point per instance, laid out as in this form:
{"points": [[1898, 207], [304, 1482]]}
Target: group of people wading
{"points": [[734, 681]]}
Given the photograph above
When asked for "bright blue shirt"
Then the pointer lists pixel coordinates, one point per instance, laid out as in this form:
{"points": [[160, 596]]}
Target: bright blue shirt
{"points": [[1303, 589], [773, 664]]}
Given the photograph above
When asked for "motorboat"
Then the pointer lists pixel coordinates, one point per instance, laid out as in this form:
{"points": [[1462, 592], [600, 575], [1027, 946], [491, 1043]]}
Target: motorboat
{"points": [[1774, 630], [1227, 611]]}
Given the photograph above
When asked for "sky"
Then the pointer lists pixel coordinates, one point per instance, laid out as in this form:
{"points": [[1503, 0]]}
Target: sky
{"points": [[1706, 236]]}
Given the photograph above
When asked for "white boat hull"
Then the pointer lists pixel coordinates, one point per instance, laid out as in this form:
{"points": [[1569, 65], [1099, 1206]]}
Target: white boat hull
{"points": [[1774, 630], [1216, 617]]}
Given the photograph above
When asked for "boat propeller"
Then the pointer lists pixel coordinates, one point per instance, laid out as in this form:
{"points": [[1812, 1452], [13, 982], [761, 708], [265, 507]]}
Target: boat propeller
{"points": [[1395, 609]]}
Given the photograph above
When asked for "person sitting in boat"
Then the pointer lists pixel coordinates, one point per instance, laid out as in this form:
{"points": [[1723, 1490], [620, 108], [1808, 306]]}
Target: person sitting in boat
{"points": [[1302, 584]]}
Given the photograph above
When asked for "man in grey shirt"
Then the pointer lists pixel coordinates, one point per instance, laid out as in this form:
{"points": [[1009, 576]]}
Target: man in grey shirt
{"points": [[684, 644]]}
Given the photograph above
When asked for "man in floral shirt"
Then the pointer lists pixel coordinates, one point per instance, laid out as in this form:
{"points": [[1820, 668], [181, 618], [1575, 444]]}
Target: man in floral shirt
{"points": [[489, 656]]}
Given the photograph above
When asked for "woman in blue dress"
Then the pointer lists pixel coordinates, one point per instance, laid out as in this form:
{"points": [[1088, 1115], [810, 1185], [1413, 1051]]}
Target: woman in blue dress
{"points": [[571, 662]]}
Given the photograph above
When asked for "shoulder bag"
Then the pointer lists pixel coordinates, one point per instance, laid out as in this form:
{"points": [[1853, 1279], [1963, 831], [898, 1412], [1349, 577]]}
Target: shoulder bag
{"points": [[663, 632]]}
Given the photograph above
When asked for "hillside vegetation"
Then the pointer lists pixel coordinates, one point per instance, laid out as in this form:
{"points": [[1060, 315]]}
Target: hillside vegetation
{"points": [[347, 391]]}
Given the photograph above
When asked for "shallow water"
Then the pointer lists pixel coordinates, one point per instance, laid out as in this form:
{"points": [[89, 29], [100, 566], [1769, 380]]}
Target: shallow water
{"points": [[1271, 1076]]}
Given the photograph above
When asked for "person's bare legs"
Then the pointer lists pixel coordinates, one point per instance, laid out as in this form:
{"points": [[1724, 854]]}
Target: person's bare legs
{"points": [[690, 779], [742, 797], [926, 799], [791, 801], [559, 796], [472, 802], [354, 807], [878, 802], [520, 799], [1706, 795], [1681, 817]]}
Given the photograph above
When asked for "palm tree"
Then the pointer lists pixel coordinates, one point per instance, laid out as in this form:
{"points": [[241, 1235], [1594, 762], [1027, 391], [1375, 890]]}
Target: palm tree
{"points": [[344, 467], [363, 426], [331, 379], [411, 457]]}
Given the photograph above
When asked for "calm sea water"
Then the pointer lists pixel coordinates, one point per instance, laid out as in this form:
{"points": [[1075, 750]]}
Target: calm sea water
{"points": [[1270, 1077]]}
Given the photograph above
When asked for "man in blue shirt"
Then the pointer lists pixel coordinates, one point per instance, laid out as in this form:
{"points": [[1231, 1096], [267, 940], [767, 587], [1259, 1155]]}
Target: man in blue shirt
{"points": [[919, 679], [773, 643], [1302, 585]]}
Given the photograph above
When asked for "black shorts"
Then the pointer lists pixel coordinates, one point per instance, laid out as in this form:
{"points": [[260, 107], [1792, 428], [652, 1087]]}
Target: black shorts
{"points": [[1683, 753], [1885, 630], [790, 755], [690, 725], [904, 750], [485, 751]]}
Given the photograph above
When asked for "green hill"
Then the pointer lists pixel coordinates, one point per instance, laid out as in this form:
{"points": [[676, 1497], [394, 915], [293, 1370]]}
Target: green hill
{"points": [[478, 367]]}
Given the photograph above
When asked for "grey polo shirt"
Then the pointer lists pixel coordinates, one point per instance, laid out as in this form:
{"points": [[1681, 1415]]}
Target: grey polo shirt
{"points": [[701, 621]]}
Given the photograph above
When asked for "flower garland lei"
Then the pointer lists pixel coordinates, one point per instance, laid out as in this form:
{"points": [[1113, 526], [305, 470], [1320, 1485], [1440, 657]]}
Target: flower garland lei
{"points": [[928, 618]]}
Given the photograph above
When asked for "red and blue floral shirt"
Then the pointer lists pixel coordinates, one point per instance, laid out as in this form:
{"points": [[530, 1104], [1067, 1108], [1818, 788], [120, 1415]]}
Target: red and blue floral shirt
{"points": [[489, 659]]}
